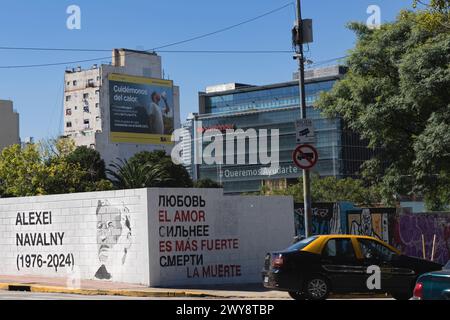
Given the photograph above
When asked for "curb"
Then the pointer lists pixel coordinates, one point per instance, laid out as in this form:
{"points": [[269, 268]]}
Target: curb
{"points": [[360, 296], [149, 293], [101, 292]]}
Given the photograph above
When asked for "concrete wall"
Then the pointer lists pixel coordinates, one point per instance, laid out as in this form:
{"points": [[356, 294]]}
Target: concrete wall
{"points": [[73, 222], [396, 226], [137, 62], [75, 87], [245, 229], [9, 125], [407, 231], [157, 237]]}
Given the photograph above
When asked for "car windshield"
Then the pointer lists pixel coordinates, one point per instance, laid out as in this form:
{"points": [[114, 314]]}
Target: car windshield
{"points": [[301, 244], [447, 266]]}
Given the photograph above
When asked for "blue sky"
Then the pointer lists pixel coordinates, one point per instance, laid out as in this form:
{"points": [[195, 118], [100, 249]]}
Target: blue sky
{"points": [[144, 24]]}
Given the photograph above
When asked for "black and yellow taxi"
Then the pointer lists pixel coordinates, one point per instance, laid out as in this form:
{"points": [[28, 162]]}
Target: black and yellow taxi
{"points": [[317, 266]]}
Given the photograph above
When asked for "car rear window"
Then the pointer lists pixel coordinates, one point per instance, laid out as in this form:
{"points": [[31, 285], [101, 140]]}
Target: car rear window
{"points": [[301, 244], [447, 266]]}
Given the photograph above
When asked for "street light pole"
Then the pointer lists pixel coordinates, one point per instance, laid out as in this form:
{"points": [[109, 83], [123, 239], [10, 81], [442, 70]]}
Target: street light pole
{"points": [[301, 75]]}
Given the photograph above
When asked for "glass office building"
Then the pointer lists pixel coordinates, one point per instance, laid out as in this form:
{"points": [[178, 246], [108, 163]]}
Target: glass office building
{"points": [[276, 106]]}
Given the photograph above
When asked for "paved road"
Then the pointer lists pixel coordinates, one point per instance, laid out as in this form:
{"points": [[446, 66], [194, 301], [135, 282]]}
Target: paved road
{"points": [[15, 295], [11, 295]]}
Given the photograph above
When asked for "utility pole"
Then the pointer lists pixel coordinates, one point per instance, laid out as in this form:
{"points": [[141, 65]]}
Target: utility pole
{"points": [[298, 42]]}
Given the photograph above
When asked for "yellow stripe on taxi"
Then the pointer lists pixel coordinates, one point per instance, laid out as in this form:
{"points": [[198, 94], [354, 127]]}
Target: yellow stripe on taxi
{"points": [[317, 245]]}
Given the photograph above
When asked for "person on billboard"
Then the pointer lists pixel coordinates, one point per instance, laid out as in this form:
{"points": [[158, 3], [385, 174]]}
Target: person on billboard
{"points": [[155, 113]]}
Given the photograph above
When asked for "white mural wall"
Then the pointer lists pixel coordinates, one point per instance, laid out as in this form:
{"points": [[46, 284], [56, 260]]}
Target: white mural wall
{"points": [[155, 237], [199, 236], [100, 235]]}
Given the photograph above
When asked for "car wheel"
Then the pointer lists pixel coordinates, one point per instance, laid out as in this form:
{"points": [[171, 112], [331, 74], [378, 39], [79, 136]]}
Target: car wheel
{"points": [[401, 295], [317, 288], [297, 295]]}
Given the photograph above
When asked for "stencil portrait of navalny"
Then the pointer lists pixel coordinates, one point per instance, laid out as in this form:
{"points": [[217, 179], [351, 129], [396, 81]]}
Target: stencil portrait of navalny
{"points": [[114, 239]]}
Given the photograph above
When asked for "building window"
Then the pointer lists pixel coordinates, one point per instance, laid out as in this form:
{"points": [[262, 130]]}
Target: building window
{"points": [[91, 83], [68, 112], [85, 95], [75, 82], [86, 109], [97, 105], [97, 92], [68, 98], [68, 83], [86, 123], [69, 124]]}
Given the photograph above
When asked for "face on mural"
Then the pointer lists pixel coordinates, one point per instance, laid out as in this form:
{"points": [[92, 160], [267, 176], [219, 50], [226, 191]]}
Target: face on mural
{"points": [[109, 230], [366, 222]]}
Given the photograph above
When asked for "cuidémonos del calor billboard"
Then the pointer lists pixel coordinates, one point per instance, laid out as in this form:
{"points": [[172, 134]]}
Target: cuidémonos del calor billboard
{"points": [[141, 109]]}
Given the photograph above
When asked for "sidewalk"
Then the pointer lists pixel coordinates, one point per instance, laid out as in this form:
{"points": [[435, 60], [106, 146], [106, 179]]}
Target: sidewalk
{"points": [[99, 288], [93, 287]]}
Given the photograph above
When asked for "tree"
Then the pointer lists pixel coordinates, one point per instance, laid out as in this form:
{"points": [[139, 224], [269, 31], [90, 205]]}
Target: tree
{"points": [[62, 177], [21, 171], [42, 169], [178, 177], [207, 183], [331, 189], [93, 166], [2, 189], [55, 147], [396, 94], [90, 161], [25, 172], [434, 13], [132, 175]]}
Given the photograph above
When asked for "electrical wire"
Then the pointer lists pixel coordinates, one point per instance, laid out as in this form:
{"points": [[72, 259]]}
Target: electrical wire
{"points": [[225, 29], [227, 51], [166, 51], [314, 64], [130, 53]]}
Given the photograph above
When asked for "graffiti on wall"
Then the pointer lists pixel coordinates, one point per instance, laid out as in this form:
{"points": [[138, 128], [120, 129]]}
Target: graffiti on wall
{"points": [[373, 222], [325, 218], [409, 228]]}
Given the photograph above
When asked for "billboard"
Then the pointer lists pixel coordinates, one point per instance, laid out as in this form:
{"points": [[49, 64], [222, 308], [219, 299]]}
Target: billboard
{"points": [[141, 110]]}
